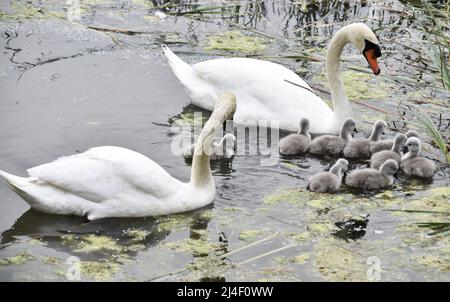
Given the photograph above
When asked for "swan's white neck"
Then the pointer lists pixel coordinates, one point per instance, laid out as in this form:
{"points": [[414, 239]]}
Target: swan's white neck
{"points": [[336, 170], [341, 105], [201, 176]]}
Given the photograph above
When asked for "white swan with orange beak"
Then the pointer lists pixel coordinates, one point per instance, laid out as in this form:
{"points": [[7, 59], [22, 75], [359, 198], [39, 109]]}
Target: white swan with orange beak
{"points": [[270, 92]]}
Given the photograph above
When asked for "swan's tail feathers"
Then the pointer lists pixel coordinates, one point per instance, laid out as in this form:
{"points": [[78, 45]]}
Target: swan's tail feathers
{"points": [[182, 70], [16, 183], [179, 67], [13, 180], [198, 89]]}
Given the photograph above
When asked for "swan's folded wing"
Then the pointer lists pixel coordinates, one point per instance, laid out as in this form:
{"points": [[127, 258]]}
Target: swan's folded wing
{"points": [[102, 173], [242, 71]]}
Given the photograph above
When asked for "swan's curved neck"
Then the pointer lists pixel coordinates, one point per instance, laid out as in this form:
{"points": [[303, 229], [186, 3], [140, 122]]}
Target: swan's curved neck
{"points": [[341, 106], [336, 170], [201, 175]]}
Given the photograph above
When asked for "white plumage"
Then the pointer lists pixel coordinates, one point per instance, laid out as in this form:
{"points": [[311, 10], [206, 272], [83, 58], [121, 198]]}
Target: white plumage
{"points": [[117, 182], [268, 91]]}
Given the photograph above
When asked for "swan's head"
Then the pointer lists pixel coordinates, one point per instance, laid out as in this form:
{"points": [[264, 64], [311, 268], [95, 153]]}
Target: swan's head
{"points": [[389, 167], [399, 142], [379, 126], [413, 144], [341, 166], [348, 129], [378, 130], [365, 40], [342, 163], [412, 133], [225, 106]]}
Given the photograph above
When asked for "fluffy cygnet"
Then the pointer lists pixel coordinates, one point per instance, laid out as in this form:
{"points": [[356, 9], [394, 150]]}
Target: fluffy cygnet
{"points": [[329, 182], [360, 147], [295, 144], [386, 144], [395, 153], [415, 165], [331, 144], [370, 179], [228, 140]]}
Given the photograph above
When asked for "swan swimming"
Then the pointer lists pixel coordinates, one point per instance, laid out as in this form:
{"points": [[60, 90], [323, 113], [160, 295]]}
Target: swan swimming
{"points": [[271, 92], [117, 182]]}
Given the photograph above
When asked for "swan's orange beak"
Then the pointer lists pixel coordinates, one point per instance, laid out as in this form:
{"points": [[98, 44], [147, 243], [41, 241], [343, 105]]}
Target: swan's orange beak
{"points": [[371, 58]]}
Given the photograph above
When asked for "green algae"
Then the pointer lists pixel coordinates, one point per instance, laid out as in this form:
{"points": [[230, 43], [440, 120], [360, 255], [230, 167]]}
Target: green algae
{"points": [[93, 243], [99, 270], [435, 199], [299, 237], [196, 247], [52, 260], [361, 86], [321, 227], [174, 223], [21, 11], [301, 259], [441, 262], [247, 235], [276, 271], [236, 41], [289, 196], [137, 234], [336, 263], [18, 259], [189, 119]]}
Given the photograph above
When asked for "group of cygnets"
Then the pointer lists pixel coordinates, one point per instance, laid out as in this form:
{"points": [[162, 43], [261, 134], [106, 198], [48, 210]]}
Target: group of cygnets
{"points": [[386, 156]]}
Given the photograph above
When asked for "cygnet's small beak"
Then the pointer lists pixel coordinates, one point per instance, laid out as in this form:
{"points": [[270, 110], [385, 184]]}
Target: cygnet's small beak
{"points": [[405, 149]]}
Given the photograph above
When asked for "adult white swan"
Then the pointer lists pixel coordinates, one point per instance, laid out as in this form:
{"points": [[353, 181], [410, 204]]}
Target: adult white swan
{"points": [[269, 91], [117, 182]]}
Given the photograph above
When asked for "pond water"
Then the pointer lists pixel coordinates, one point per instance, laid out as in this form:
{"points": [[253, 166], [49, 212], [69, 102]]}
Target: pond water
{"points": [[101, 79]]}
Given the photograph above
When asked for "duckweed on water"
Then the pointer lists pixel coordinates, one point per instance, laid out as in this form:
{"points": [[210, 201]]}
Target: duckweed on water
{"points": [[321, 228], [20, 11], [250, 234], [92, 243], [436, 199], [137, 234], [192, 246], [236, 41], [288, 195], [361, 86], [52, 260], [99, 270], [441, 262], [302, 258], [336, 263], [18, 259]]}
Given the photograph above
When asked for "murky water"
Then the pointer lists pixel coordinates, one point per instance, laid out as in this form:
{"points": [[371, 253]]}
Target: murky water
{"points": [[66, 87]]}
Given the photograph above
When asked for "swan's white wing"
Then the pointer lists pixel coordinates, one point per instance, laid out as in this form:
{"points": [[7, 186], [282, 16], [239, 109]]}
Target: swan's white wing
{"points": [[243, 71], [264, 93], [103, 172]]}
